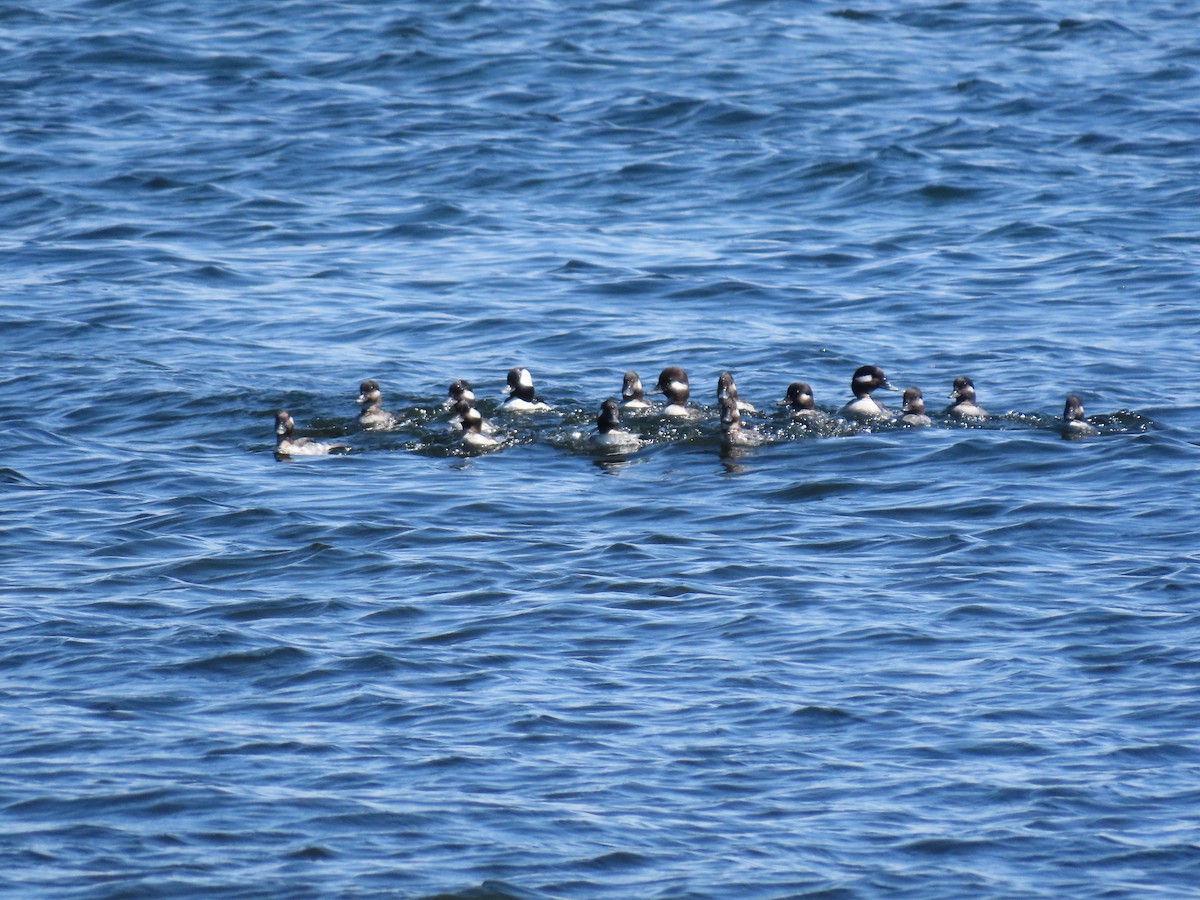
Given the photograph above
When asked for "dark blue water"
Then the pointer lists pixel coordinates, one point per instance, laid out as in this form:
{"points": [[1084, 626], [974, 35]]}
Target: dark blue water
{"points": [[847, 662]]}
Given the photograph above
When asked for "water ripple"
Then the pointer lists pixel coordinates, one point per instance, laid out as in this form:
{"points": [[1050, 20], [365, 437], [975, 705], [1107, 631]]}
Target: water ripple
{"points": [[848, 660]]}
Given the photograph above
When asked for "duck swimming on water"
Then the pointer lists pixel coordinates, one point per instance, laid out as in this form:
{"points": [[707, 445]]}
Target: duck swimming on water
{"points": [[373, 414], [1074, 421], [673, 383], [609, 435], [473, 427], [632, 395], [521, 396], [288, 445], [864, 407], [725, 386], [964, 405], [732, 432], [914, 409]]}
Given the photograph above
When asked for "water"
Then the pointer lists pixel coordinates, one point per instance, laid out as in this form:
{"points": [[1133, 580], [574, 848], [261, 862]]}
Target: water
{"points": [[958, 661]]}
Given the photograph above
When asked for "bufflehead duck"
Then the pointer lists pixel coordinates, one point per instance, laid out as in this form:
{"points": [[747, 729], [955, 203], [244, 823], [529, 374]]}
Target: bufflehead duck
{"points": [[863, 407], [473, 438], [725, 386], [460, 393], [964, 405], [609, 433], [914, 408], [1075, 423], [287, 445], [632, 395], [460, 389], [373, 414], [732, 432], [800, 400], [673, 382], [520, 390]]}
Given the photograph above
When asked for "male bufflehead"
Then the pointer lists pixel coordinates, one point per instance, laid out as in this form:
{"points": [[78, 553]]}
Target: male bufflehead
{"points": [[863, 407], [520, 392], [673, 382], [287, 445], [964, 405], [1075, 423], [732, 432], [473, 438], [800, 400], [609, 434], [632, 395], [373, 414], [725, 386], [914, 409]]}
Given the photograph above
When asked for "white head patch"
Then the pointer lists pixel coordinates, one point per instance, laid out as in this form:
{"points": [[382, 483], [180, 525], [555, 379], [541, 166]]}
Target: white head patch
{"points": [[525, 379]]}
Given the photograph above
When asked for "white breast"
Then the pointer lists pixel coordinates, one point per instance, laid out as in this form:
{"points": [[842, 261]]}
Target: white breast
{"points": [[967, 411], [616, 440], [864, 408], [475, 441], [376, 418], [516, 404]]}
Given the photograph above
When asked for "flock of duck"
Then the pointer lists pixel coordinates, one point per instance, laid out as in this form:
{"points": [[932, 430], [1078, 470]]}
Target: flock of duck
{"points": [[478, 435]]}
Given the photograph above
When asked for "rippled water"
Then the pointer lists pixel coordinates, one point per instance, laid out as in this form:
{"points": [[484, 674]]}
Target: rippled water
{"points": [[942, 662]]}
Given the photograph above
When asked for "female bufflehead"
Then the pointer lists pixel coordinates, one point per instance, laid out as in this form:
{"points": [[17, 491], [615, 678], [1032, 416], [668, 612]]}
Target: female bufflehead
{"points": [[800, 400], [521, 396], [473, 438], [673, 382], [373, 414], [863, 407], [460, 389], [964, 405], [914, 409], [732, 432], [632, 395], [609, 434], [287, 445], [1075, 423], [725, 386]]}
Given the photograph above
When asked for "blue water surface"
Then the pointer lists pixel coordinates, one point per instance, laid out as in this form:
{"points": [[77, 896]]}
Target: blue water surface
{"points": [[845, 661]]}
